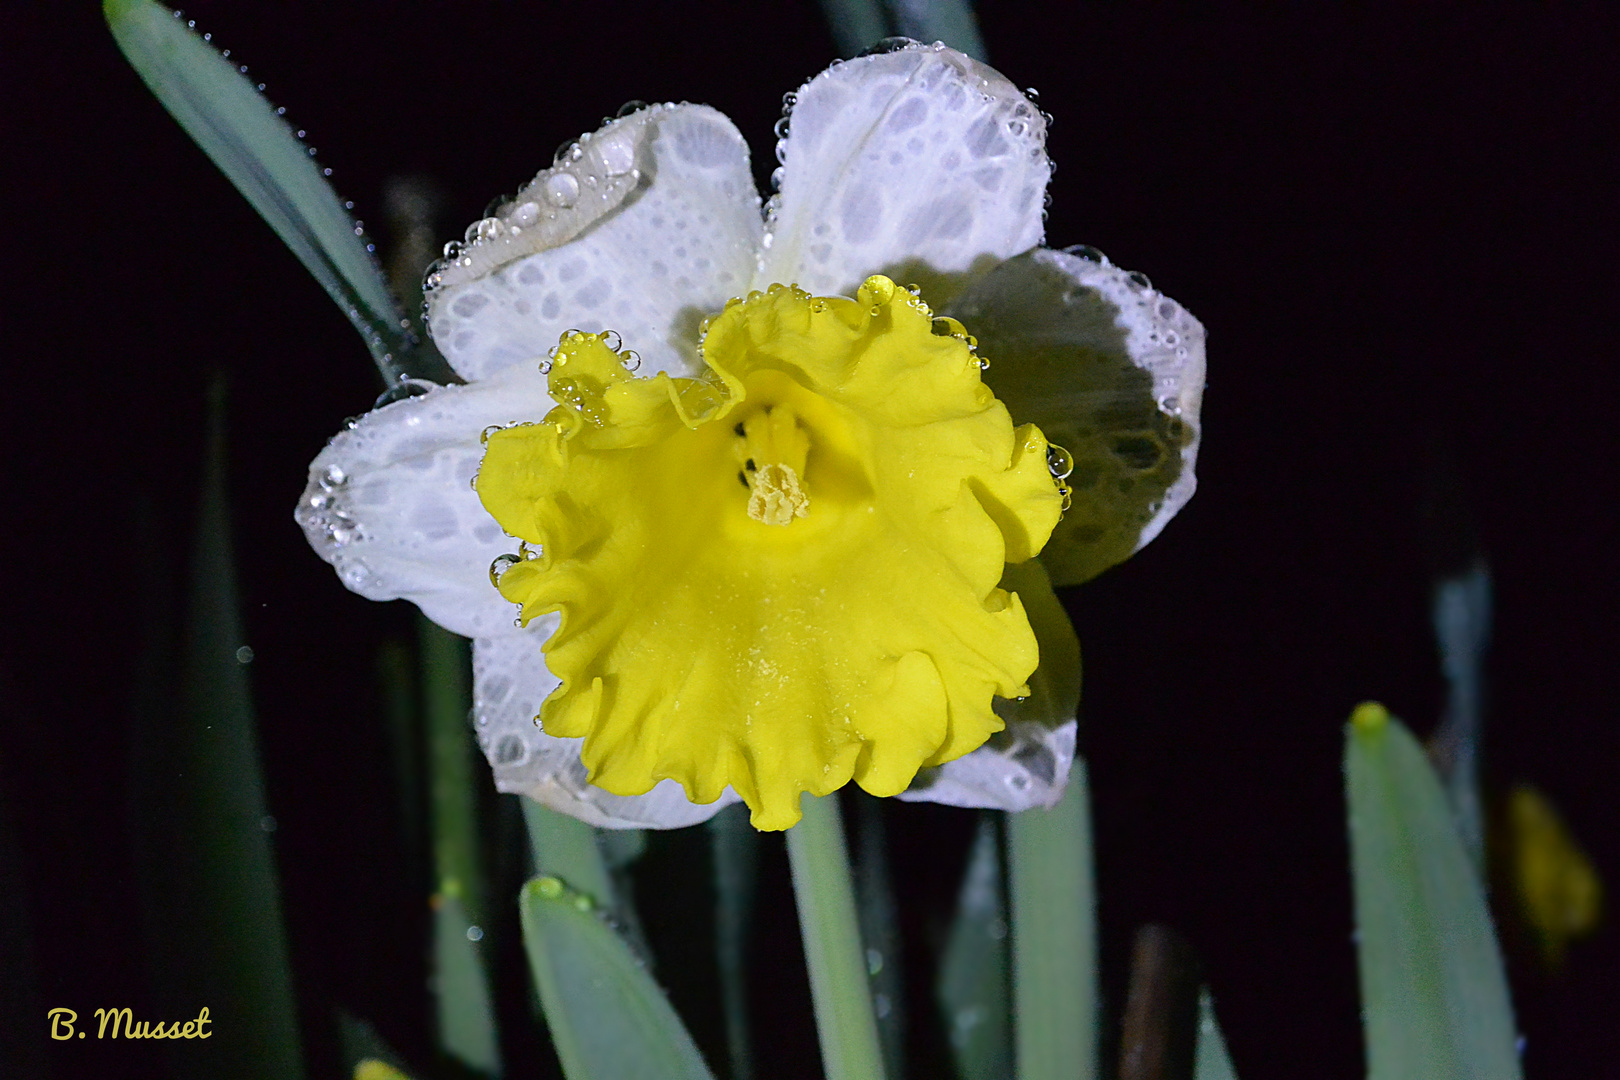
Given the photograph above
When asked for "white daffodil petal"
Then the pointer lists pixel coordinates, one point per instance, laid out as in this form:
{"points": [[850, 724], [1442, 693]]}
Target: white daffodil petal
{"points": [[1025, 766], [922, 164], [1027, 763], [643, 228], [1108, 368], [510, 680], [390, 503]]}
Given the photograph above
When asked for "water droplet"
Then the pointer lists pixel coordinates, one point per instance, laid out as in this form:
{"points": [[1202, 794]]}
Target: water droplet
{"points": [[562, 189], [618, 154], [1086, 251], [267, 823], [611, 339], [244, 655], [1059, 461], [631, 358], [1140, 279], [890, 45], [629, 107], [334, 476], [475, 933], [500, 565]]}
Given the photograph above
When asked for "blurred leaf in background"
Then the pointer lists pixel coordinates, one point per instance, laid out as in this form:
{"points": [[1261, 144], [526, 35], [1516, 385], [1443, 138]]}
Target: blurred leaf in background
{"points": [[210, 899], [1434, 996]]}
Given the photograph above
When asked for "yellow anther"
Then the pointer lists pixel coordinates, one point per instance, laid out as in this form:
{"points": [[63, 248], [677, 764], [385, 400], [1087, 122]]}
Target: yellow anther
{"points": [[776, 498]]}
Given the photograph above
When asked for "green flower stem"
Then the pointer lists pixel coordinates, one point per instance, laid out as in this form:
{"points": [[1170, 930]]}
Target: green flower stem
{"points": [[1054, 937], [832, 944]]}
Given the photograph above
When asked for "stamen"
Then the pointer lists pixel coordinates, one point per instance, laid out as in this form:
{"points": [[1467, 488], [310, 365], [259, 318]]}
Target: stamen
{"points": [[777, 498]]}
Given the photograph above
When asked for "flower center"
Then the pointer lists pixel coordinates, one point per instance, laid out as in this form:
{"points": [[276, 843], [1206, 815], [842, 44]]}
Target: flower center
{"points": [[721, 636], [772, 446]]}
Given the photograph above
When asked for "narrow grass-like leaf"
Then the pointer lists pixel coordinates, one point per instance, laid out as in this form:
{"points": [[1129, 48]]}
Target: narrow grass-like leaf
{"points": [[950, 21], [1213, 1062], [213, 906], [465, 1010], [1054, 936], [1462, 629], [566, 848], [1434, 998], [854, 24], [880, 929], [608, 1019], [973, 972], [830, 928], [235, 126]]}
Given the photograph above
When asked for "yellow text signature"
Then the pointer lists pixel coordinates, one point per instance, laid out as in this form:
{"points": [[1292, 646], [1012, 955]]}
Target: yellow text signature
{"points": [[112, 1021]]}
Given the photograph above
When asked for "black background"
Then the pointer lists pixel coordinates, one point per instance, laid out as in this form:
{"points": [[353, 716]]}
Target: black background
{"points": [[1399, 229]]}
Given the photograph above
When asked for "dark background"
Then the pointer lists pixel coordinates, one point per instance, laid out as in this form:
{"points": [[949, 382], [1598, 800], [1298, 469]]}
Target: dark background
{"points": [[1398, 227]]}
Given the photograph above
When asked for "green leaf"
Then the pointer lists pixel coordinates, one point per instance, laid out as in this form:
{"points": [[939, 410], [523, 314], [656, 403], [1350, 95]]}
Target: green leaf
{"points": [[465, 1010], [212, 900], [235, 126], [974, 994], [608, 1019], [567, 848], [1434, 997], [1055, 936], [1212, 1062]]}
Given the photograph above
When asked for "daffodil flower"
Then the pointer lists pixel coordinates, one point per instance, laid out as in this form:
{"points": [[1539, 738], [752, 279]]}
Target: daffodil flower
{"points": [[765, 525]]}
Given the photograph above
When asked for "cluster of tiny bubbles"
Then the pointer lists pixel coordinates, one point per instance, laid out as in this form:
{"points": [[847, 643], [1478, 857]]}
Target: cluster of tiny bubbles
{"points": [[945, 326], [1086, 251], [915, 301], [1034, 96], [1060, 463], [337, 524], [553, 888]]}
